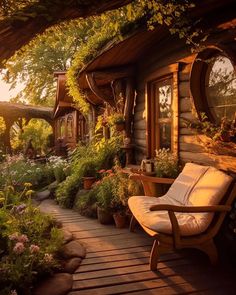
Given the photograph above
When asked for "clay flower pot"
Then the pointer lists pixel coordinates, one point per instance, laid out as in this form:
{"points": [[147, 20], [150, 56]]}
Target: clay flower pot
{"points": [[88, 182], [104, 217], [120, 219]]}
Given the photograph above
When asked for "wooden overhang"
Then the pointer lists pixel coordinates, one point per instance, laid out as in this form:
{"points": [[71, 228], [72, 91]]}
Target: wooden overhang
{"points": [[118, 59], [14, 111], [97, 75], [63, 102]]}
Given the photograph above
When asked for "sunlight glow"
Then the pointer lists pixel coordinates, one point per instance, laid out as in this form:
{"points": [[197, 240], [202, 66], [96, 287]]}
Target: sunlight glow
{"points": [[5, 93]]}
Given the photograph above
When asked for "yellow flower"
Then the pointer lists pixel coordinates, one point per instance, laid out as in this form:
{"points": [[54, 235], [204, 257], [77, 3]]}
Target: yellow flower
{"points": [[29, 193], [10, 188], [27, 184], [2, 200]]}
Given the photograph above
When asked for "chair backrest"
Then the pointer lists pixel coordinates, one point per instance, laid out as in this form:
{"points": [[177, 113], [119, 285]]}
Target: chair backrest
{"points": [[199, 185]]}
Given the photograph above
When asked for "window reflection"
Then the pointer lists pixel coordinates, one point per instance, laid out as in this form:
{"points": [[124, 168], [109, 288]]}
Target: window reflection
{"points": [[165, 101], [221, 87]]}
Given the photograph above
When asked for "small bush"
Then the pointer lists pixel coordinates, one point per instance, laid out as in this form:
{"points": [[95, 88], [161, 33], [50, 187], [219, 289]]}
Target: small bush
{"points": [[29, 242]]}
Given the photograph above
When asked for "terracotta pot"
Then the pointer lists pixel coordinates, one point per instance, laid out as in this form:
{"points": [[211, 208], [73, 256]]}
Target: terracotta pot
{"points": [[120, 220], [120, 126], [104, 217], [88, 182]]}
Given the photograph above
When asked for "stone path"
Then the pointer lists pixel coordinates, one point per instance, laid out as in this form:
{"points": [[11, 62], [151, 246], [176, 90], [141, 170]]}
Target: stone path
{"points": [[117, 262]]}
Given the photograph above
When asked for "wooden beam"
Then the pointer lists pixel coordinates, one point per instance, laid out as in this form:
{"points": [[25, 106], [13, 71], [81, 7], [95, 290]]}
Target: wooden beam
{"points": [[95, 89], [113, 73]]}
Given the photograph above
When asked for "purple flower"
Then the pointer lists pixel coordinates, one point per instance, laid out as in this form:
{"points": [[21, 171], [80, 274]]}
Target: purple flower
{"points": [[34, 249], [19, 248], [18, 209]]}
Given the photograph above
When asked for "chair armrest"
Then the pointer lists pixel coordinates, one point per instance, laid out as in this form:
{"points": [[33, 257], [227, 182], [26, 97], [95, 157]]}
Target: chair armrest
{"points": [[190, 209], [152, 179]]}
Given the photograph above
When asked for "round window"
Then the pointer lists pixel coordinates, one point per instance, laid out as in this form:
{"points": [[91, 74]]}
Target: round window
{"points": [[213, 85]]}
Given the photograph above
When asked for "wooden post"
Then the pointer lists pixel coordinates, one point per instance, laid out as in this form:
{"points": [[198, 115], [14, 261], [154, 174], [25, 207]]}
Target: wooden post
{"points": [[129, 106], [7, 140]]}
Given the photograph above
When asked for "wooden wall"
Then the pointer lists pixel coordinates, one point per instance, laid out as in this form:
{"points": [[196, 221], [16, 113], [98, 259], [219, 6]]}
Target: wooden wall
{"points": [[192, 146]]}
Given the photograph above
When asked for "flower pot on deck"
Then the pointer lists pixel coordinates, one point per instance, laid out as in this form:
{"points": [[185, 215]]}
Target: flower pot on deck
{"points": [[88, 182], [104, 216], [120, 219]]}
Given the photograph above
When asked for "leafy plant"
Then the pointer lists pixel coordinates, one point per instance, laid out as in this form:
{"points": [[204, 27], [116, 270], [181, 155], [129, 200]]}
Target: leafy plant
{"points": [[85, 160], [114, 190], [166, 164], [29, 241], [223, 131], [116, 118]]}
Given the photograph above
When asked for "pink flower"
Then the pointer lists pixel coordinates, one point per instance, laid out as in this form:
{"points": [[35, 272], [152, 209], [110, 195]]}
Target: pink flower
{"points": [[13, 292], [19, 248], [109, 171], [23, 239], [14, 237], [34, 249]]}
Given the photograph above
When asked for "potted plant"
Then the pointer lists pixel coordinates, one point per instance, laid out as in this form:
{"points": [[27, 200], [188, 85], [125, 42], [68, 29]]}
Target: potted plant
{"points": [[104, 199], [89, 174], [117, 120], [123, 188], [165, 165]]}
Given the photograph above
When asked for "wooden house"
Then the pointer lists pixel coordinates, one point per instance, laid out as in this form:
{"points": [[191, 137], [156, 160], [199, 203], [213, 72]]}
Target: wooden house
{"points": [[70, 124], [166, 87]]}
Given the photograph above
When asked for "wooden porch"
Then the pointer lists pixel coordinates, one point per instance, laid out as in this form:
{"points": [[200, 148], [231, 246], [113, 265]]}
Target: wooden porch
{"points": [[117, 262]]}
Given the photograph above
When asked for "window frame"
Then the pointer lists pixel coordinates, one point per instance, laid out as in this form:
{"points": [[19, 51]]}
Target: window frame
{"points": [[198, 77], [168, 72]]}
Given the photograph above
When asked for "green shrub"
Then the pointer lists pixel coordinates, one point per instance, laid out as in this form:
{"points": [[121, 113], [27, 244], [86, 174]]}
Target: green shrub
{"points": [[84, 160], [86, 203], [166, 164], [21, 171], [29, 242]]}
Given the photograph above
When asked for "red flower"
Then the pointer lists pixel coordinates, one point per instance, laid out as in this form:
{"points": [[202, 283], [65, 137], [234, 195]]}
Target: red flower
{"points": [[102, 171], [109, 171]]}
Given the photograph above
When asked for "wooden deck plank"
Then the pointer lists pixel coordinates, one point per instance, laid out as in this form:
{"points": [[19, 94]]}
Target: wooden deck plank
{"points": [[127, 270], [117, 263]]}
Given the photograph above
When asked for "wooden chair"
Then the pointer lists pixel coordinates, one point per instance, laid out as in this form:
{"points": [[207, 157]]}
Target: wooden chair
{"points": [[189, 215]]}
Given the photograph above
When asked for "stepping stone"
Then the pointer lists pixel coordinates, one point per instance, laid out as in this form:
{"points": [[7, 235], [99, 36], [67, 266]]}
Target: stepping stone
{"points": [[52, 186], [73, 249], [40, 196], [67, 236], [72, 264], [59, 284]]}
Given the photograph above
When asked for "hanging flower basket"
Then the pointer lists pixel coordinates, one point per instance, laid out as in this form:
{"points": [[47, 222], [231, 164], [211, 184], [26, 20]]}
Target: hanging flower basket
{"points": [[120, 126]]}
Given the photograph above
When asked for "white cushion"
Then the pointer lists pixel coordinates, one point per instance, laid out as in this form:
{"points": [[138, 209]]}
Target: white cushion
{"points": [[159, 221], [196, 186], [185, 182], [210, 188]]}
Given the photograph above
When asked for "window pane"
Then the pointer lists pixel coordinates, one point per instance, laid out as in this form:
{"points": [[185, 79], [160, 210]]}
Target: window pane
{"points": [[70, 127], [221, 87], [63, 128], [165, 136], [164, 94]]}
